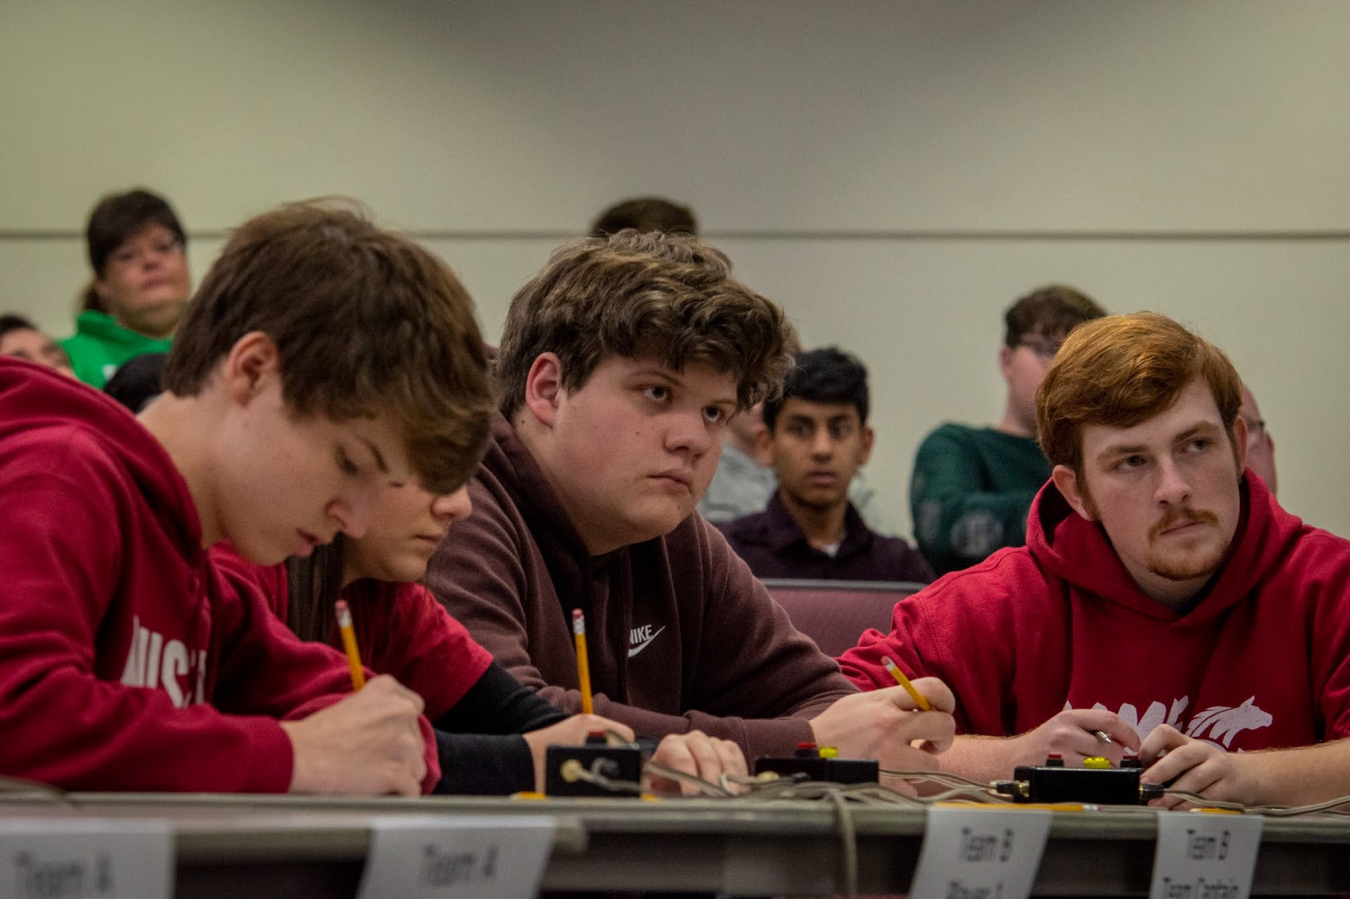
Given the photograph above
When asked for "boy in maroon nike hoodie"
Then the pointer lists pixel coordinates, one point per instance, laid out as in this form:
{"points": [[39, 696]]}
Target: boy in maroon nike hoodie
{"points": [[321, 360], [620, 365], [1164, 599]]}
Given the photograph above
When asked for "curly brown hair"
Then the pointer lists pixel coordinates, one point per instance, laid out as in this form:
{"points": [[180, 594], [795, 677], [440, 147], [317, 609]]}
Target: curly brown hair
{"points": [[667, 297]]}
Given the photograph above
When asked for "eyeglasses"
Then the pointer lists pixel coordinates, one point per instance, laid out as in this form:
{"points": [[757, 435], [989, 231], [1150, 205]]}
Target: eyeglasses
{"points": [[131, 253], [1046, 349]]}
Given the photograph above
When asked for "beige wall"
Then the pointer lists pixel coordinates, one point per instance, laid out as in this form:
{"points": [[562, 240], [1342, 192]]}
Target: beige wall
{"points": [[893, 174]]}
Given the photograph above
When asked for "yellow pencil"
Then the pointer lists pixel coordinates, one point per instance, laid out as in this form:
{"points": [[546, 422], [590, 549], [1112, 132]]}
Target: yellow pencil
{"points": [[344, 620], [583, 666], [903, 681]]}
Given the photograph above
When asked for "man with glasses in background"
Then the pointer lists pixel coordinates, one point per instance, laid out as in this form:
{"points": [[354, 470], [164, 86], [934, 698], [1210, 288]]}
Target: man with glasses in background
{"points": [[973, 486], [1260, 445]]}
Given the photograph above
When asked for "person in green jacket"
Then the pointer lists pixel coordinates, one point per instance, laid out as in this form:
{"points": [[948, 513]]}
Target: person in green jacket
{"points": [[972, 487], [138, 251]]}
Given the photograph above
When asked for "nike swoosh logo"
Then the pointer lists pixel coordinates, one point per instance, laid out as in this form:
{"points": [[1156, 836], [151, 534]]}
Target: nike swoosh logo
{"points": [[634, 650]]}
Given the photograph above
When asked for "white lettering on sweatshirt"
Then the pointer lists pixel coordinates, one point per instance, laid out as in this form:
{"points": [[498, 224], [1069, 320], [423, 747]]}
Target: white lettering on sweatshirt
{"points": [[166, 664]]}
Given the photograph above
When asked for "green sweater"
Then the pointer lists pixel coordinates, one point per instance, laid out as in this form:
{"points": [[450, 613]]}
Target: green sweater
{"points": [[100, 345], [971, 492]]}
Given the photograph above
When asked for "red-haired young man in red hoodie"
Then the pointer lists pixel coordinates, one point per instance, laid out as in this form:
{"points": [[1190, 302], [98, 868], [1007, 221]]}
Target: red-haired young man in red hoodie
{"points": [[322, 360], [1163, 599]]}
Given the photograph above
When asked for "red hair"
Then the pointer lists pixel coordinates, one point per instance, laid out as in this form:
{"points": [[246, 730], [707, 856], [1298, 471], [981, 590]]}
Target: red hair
{"points": [[1121, 370]]}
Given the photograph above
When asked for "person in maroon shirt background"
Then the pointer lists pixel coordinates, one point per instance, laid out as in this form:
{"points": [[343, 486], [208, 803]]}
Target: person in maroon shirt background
{"points": [[817, 436]]}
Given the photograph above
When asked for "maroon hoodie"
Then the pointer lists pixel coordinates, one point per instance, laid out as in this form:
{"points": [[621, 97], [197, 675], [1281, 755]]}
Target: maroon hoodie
{"points": [[1261, 661], [680, 634], [126, 661]]}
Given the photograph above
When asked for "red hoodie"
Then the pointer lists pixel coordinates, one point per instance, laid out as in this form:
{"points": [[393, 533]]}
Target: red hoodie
{"points": [[401, 630], [1262, 661], [126, 661]]}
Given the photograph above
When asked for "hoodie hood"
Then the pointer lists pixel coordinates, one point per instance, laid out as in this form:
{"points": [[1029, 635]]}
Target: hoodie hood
{"points": [[34, 398], [601, 586], [512, 463], [1080, 552]]}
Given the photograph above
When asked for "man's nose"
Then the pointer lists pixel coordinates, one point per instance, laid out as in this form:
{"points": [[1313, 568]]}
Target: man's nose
{"points": [[454, 506], [689, 431], [1173, 488]]}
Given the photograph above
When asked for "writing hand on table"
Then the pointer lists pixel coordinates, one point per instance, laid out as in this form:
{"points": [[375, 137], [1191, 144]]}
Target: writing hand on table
{"points": [[1073, 734], [568, 732], [698, 754], [886, 724], [1197, 766], [368, 744]]}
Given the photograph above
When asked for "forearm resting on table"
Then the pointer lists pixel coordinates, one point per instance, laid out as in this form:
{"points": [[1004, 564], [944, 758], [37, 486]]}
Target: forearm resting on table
{"points": [[1304, 776], [982, 758]]}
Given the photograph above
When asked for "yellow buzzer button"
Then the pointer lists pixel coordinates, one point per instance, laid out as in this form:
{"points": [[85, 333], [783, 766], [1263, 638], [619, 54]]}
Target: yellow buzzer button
{"points": [[829, 752], [1096, 761]]}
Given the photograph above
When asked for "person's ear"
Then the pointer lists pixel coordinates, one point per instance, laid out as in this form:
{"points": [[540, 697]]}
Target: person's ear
{"points": [[868, 436], [1066, 479], [250, 366], [544, 388], [1005, 355]]}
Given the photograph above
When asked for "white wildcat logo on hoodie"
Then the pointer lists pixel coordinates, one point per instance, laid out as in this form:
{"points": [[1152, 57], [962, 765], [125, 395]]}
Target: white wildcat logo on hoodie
{"points": [[1222, 723]]}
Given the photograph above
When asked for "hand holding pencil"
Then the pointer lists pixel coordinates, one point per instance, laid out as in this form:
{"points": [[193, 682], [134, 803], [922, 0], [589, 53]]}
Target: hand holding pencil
{"points": [[891, 724], [919, 699], [368, 744]]}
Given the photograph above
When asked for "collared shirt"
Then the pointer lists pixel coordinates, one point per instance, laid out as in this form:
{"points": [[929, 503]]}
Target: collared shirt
{"points": [[741, 486], [773, 545]]}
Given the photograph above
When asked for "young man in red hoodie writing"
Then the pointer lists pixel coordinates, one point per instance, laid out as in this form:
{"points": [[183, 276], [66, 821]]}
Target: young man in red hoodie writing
{"points": [[322, 360], [1164, 604], [620, 365]]}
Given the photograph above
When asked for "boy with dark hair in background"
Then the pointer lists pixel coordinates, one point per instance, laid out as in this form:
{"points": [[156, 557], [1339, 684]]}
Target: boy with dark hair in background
{"points": [[817, 438], [20, 338], [971, 487], [646, 214]]}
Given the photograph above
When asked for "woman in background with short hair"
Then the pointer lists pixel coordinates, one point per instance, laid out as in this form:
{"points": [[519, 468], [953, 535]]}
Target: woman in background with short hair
{"points": [[138, 251]]}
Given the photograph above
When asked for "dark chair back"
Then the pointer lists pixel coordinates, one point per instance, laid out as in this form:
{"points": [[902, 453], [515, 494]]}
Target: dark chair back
{"points": [[835, 613]]}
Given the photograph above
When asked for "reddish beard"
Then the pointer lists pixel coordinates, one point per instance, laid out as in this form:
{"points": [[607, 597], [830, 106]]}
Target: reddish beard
{"points": [[1181, 513], [1189, 566]]}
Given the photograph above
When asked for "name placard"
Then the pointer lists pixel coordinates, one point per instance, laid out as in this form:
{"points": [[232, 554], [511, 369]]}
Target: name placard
{"points": [[1202, 856], [82, 858], [456, 857], [980, 853]]}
